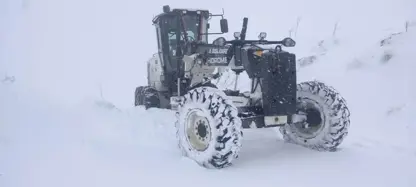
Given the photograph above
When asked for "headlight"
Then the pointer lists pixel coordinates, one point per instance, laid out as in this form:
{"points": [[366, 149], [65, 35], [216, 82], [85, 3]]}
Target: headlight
{"points": [[237, 35], [219, 41], [288, 42], [262, 35]]}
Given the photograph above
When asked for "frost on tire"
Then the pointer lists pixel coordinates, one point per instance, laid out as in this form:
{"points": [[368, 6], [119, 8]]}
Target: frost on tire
{"points": [[208, 128], [327, 118]]}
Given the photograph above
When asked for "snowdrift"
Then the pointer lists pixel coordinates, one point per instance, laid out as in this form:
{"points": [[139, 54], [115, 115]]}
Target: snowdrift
{"points": [[97, 143], [57, 131]]}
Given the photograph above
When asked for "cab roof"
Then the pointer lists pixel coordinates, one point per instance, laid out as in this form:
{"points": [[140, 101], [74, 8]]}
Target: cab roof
{"points": [[179, 10]]}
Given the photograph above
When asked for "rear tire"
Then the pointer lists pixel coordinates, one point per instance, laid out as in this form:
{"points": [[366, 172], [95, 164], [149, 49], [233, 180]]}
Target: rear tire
{"points": [[328, 118], [146, 96], [137, 96], [209, 130]]}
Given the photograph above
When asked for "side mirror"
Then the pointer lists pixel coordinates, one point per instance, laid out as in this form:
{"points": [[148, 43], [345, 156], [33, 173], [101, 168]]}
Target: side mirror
{"points": [[288, 42], [224, 25]]}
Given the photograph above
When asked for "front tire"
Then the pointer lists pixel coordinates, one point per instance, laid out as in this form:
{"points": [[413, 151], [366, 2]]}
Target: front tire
{"points": [[327, 118], [209, 130]]}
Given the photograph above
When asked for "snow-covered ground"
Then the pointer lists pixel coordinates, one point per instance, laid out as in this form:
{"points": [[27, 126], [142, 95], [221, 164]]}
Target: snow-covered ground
{"points": [[57, 57]]}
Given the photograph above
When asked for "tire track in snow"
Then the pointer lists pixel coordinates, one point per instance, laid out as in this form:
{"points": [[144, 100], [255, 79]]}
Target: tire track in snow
{"points": [[367, 143]]}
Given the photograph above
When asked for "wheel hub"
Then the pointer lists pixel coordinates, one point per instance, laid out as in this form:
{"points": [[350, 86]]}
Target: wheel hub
{"points": [[314, 119], [201, 129], [198, 130]]}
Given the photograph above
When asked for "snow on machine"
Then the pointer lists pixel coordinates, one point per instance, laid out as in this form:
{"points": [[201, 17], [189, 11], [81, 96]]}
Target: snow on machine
{"points": [[210, 121]]}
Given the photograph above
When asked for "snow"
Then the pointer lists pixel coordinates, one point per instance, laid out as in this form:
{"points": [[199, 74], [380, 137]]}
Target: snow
{"points": [[58, 57]]}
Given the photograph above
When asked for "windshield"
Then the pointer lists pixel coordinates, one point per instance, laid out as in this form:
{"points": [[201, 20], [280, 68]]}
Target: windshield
{"points": [[173, 43], [191, 24], [172, 35], [194, 27]]}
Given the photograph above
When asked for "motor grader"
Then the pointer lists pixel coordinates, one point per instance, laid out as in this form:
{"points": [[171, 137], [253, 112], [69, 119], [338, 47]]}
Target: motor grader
{"points": [[209, 120]]}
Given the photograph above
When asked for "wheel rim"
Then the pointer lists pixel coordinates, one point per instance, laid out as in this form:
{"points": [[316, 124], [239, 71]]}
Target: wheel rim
{"points": [[198, 130], [315, 120]]}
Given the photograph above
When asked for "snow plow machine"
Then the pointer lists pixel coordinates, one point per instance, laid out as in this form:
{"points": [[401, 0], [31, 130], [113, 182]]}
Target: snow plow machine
{"points": [[210, 121]]}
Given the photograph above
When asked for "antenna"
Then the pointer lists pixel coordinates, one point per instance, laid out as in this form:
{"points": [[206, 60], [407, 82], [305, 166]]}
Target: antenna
{"points": [[214, 15]]}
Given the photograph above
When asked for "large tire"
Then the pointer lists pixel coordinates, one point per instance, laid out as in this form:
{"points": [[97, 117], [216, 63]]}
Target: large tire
{"points": [[209, 130], [137, 96], [146, 96], [328, 118]]}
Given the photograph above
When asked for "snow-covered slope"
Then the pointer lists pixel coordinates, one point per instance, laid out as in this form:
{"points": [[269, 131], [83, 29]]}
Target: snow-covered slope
{"points": [[56, 129], [379, 85]]}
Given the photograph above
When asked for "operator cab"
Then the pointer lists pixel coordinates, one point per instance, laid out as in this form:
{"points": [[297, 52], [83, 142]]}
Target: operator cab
{"points": [[176, 30]]}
